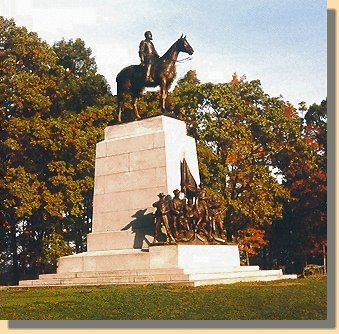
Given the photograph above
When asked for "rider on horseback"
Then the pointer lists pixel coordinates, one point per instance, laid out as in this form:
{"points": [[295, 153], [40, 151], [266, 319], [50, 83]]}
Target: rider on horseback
{"points": [[131, 79], [147, 54]]}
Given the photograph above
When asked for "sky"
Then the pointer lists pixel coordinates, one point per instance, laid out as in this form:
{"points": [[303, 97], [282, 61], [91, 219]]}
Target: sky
{"points": [[283, 43]]}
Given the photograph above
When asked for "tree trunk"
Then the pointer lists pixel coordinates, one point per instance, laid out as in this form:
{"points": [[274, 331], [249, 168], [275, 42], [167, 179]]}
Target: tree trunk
{"points": [[325, 260], [14, 252], [247, 259]]}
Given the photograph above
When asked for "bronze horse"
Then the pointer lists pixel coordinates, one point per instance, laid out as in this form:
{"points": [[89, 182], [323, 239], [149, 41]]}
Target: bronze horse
{"points": [[132, 78]]}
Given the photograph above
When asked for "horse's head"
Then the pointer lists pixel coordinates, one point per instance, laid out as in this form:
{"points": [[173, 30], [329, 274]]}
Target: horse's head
{"points": [[184, 46]]}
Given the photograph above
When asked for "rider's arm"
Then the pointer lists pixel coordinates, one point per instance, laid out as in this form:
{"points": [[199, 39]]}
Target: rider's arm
{"points": [[142, 51]]}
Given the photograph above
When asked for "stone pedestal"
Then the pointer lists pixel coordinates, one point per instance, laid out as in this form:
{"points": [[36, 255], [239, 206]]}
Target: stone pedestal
{"points": [[134, 163]]}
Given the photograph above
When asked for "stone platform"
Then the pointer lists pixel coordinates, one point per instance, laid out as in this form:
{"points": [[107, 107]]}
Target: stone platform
{"points": [[158, 276], [192, 265]]}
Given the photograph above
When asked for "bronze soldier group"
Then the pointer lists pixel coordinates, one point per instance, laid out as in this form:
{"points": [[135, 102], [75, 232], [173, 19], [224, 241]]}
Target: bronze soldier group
{"points": [[188, 220]]}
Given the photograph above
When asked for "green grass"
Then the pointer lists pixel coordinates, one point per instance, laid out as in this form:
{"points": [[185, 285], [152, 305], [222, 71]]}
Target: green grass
{"points": [[302, 299]]}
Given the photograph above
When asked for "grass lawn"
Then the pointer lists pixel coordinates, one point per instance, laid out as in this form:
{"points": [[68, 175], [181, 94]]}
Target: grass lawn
{"points": [[302, 299]]}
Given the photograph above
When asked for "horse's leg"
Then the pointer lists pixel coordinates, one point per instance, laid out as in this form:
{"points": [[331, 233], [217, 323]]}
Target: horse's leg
{"points": [[120, 97], [119, 108], [135, 107], [136, 92], [163, 90]]}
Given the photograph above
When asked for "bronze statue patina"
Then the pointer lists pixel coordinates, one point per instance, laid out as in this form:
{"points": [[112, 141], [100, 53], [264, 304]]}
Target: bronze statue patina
{"points": [[196, 218], [203, 224], [179, 220], [148, 55], [162, 218], [186, 222], [177, 210], [217, 225], [189, 214], [132, 79]]}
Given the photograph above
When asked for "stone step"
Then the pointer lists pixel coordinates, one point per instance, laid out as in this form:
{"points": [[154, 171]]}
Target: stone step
{"points": [[237, 274], [130, 279], [113, 273], [230, 280], [227, 269], [169, 264], [158, 276]]}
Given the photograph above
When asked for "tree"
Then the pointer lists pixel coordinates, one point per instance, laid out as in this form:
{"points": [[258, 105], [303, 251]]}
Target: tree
{"points": [[52, 115], [303, 229], [242, 136], [316, 125], [87, 109], [82, 85], [54, 247], [28, 88]]}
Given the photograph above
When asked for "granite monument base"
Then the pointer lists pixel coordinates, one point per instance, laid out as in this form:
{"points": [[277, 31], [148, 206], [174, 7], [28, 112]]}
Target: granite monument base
{"points": [[192, 265], [134, 163]]}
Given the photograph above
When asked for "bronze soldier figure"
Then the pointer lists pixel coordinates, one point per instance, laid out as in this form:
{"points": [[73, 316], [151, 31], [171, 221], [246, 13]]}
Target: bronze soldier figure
{"points": [[189, 214], [161, 217], [203, 225], [202, 205], [217, 225], [147, 54], [177, 206]]}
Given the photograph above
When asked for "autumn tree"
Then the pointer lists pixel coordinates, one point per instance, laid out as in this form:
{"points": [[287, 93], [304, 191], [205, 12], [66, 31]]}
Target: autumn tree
{"points": [[300, 237], [52, 115], [186, 100], [29, 86], [86, 107], [241, 134]]}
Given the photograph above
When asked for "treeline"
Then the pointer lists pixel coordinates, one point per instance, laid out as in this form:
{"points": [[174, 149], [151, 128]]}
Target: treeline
{"points": [[263, 158]]}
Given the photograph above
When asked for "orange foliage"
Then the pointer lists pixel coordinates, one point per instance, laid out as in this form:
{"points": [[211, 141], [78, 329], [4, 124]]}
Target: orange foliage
{"points": [[289, 111], [235, 79], [251, 240], [231, 158]]}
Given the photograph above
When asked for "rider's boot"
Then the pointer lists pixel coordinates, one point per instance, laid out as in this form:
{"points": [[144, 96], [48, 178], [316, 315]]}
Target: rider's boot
{"points": [[148, 74]]}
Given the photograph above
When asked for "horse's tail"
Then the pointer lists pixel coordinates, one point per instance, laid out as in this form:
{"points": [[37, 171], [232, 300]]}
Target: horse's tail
{"points": [[122, 79], [119, 80], [120, 76], [119, 88]]}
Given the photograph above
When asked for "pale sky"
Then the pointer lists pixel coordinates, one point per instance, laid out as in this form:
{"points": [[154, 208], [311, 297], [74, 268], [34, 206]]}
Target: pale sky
{"points": [[280, 42]]}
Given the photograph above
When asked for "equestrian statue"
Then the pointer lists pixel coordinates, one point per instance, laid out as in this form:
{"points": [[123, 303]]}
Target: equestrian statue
{"points": [[152, 72]]}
